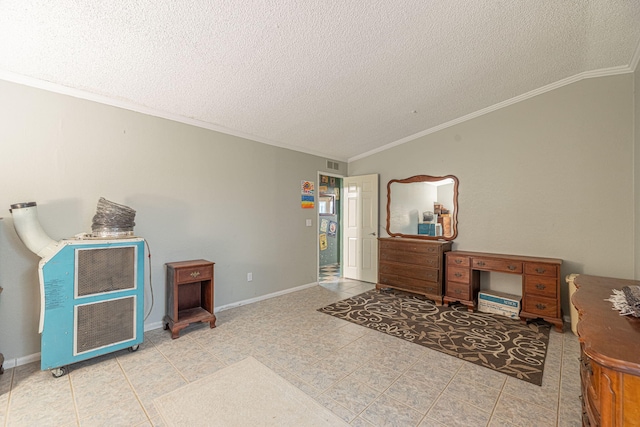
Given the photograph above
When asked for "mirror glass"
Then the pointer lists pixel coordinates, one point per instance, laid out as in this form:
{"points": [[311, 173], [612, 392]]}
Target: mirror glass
{"points": [[423, 206], [326, 204]]}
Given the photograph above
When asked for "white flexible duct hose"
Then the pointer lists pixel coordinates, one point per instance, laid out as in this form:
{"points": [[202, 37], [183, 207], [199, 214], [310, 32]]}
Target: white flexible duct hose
{"points": [[29, 230]]}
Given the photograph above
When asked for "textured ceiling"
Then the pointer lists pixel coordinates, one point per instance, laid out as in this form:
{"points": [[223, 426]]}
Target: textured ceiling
{"points": [[339, 78]]}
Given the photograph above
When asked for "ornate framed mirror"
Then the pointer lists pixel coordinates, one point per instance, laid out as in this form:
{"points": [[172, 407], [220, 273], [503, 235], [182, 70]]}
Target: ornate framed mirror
{"points": [[423, 207]]}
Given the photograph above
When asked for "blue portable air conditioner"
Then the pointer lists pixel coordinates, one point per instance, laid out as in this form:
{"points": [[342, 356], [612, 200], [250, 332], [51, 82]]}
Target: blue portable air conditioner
{"points": [[92, 292]]}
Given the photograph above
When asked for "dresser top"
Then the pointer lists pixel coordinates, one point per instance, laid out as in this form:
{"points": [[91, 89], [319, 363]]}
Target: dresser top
{"points": [[610, 339], [410, 240]]}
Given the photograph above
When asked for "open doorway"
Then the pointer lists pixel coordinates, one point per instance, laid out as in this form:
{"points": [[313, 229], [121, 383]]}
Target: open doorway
{"points": [[329, 228]]}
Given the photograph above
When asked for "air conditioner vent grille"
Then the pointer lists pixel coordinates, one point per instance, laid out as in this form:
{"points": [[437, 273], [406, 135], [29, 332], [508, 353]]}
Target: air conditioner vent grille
{"points": [[104, 323], [105, 270]]}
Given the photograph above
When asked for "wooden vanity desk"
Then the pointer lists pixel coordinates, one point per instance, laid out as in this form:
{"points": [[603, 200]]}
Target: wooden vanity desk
{"points": [[540, 281], [609, 354]]}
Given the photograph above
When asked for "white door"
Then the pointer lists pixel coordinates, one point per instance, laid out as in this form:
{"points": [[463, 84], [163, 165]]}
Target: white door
{"points": [[360, 225]]}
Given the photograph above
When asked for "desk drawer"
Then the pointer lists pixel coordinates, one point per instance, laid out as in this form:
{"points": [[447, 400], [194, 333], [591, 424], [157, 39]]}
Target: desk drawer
{"points": [[460, 261], [497, 265], [540, 269], [458, 290], [457, 274], [542, 306], [540, 285]]}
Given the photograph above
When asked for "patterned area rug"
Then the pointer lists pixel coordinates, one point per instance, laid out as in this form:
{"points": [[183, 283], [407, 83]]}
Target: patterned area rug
{"points": [[496, 342]]}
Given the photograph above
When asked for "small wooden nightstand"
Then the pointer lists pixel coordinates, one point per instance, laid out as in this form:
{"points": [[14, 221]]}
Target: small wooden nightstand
{"points": [[189, 295]]}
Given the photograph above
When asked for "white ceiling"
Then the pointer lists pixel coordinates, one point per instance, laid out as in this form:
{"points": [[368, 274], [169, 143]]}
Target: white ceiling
{"points": [[339, 78]]}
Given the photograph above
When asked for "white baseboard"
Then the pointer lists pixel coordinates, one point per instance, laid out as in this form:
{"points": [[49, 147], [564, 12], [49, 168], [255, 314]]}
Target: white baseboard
{"points": [[12, 363], [264, 297], [151, 326], [17, 361]]}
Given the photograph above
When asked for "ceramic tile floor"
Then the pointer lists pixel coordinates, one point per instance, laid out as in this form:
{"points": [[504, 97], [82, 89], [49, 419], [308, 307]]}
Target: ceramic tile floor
{"points": [[329, 273], [367, 378]]}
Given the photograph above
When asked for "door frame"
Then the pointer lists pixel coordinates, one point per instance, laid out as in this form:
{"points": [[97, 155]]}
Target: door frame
{"points": [[317, 227]]}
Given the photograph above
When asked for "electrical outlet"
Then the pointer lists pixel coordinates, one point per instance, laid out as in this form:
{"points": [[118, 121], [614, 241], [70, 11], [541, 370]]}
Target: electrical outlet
{"points": [[249, 277], [308, 223]]}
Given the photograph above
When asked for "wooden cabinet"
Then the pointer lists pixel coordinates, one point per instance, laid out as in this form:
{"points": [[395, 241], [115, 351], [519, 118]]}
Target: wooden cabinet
{"points": [[540, 281], [189, 295], [463, 282], [609, 354], [541, 291], [412, 265]]}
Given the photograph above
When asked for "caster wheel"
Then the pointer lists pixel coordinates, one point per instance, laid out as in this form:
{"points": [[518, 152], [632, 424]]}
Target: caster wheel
{"points": [[133, 348], [58, 372]]}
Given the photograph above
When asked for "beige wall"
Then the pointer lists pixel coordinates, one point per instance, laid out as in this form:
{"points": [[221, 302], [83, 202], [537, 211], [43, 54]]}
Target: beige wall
{"points": [[551, 176], [197, 193]]}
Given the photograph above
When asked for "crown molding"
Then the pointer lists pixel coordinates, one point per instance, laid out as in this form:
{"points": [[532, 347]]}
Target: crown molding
{"points": [[82, 94], [633, 64], [560, 83], [126, 105]]}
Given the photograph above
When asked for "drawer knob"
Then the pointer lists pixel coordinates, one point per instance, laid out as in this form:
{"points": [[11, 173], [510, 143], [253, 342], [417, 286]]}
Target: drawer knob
{"points": [[458, 274], [481, 263], [540, 270], [511, 267], [540, 286], [541, 306], [458, 291], [458, 261], [195, 274]]}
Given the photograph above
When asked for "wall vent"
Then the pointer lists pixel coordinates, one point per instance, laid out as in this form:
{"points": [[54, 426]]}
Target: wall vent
{"points": [[333, 165]]}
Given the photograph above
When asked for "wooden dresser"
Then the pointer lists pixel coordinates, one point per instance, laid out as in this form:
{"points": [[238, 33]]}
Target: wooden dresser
{"points": [[540, 281], [412, 265], [610, 354]]}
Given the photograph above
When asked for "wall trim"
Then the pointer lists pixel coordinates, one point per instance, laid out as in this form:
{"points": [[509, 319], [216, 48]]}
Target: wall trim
{"points": [[78, 93], [131, 106], [633, 64], [560, 83], [18, 361], [264, 297]]}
